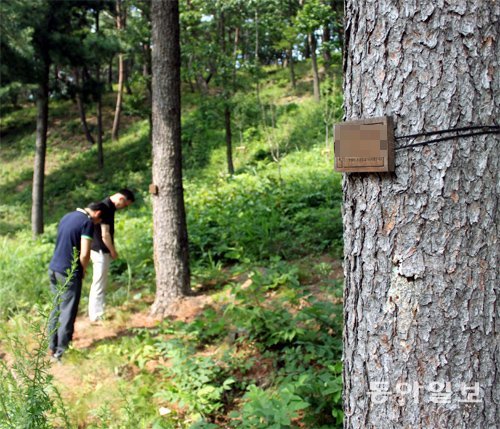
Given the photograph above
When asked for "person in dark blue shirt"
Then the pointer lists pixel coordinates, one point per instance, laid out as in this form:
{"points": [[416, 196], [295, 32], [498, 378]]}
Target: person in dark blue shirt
{"points": [[66, 271]]}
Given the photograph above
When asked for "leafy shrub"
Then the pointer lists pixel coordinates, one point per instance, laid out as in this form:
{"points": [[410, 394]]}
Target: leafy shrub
{"points": [[263, 409], [28, 399], [253, 217], [208, 327], [196, 383], [18, 121], [23, 272], [137, 103], [314, 374]]}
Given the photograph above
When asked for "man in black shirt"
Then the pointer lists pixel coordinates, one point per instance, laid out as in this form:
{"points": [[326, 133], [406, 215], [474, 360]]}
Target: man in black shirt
{"points": [[74, 235], [103, 250]]}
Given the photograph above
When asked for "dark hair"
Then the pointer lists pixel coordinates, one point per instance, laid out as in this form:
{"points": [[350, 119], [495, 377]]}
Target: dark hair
{"points": [[128, 194], [97, 206]]}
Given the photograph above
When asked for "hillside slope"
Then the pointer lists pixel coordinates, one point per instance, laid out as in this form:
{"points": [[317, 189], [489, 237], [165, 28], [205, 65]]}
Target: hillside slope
{"points": [[265, 337]]}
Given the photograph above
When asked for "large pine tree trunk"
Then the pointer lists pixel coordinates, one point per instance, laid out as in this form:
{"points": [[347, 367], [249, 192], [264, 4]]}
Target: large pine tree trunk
{"points": [[169, 219], [42, 119], [421, 245]]}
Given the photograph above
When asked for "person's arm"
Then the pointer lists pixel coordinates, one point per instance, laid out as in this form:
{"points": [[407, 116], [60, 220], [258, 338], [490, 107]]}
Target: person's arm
{"points": [[108, 241], [85, 243]]}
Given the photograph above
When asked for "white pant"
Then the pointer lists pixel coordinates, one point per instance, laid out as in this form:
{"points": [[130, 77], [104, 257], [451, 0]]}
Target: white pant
{"points": [[100, 268]]}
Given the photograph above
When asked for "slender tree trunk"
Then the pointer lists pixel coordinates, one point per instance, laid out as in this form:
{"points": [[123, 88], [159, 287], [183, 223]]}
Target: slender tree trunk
{"points": [[169, 219], [120, 25], [192, 88], [100, 149], [110, 74], [229, 139], [338, 7], [256, 55], [127, 66], [81, 107], [201, 83], [148, 74], [236, 44], [228, 84], [119, 100], [42, 105], [421, 245], [327, 56], [307, 48], [146, 67], [291, 65], [314, 62]]}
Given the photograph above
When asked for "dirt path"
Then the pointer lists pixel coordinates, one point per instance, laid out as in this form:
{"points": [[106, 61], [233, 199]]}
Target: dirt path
{"points": [[87, 335]]}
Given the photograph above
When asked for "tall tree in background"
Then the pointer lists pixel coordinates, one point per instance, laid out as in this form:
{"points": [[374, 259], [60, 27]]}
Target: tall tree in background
{"points": [[33, 34], [93, 43], [35, 37], [332, 38], [80, 95], [289, 36], [229, 17], [169, 218], [421, 245], [139, 29], [41, 44], [100, 44], [201, 42], [311, 18], [100, 148]]}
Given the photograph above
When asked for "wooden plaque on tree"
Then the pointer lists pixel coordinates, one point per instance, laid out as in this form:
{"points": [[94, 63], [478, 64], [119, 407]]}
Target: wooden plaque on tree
{"points": [[365, 145]]}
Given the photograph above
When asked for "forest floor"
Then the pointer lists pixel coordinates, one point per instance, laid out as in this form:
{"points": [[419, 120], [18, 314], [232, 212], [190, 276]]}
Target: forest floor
{"points": [[89, 334], [83, 373]]}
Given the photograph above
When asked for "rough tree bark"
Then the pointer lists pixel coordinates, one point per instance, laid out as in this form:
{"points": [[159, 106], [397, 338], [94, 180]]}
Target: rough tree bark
{"points": [[421, 245], [169, 219]]}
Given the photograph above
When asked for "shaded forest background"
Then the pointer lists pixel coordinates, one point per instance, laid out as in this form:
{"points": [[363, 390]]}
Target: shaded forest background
{"points": [[261, 91]]}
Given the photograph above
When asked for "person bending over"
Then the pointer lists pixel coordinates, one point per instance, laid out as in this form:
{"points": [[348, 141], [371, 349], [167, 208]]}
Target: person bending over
{"points": [[103, 250], [74, 237]]}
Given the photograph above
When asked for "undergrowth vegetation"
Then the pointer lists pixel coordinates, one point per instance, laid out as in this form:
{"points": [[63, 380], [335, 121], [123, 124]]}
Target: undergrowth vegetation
{"points": [[265, 352]]}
